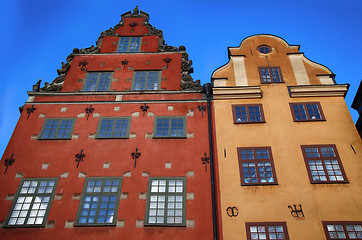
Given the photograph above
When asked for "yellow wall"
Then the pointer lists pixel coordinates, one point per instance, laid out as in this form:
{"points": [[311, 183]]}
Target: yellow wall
{"points": [[320, 202]]}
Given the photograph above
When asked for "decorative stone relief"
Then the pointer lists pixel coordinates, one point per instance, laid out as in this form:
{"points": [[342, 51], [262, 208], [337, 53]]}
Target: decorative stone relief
{"points": [[57, 84]]}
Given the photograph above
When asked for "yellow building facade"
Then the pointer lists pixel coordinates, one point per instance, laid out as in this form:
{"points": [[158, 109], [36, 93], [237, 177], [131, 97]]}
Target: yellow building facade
{"points": [[289, 155]]}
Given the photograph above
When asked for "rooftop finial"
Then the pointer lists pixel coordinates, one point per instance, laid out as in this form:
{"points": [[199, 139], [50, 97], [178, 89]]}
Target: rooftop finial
{"points": [[135, 11]]}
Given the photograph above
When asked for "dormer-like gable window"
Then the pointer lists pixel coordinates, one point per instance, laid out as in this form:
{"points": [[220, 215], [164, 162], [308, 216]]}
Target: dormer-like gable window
{"points": [[129, 44]]}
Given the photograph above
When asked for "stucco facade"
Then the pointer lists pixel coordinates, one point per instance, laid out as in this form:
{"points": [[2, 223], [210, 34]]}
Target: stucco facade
{"points": [[142, 134], [287, 138]]}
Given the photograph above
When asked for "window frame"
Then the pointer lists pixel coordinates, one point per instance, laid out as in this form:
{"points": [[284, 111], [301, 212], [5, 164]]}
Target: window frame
{"points": [[248, 114], [146, 80], [129, 43], [114, 118], [306, 111], [344, 223], [40, 136], [18, 194], [303, 147], [266, 225], [264, 46], [256, 161], [98, 78], [165, 224], [169, 130], [271, 67], [118, 196]]}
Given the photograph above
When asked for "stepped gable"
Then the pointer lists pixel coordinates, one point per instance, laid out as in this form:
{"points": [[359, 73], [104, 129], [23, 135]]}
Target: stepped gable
{"points": [[187, 82]]}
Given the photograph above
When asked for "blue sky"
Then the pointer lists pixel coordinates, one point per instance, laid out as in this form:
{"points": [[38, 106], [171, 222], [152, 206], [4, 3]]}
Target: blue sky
{"points": [[38, 35]]}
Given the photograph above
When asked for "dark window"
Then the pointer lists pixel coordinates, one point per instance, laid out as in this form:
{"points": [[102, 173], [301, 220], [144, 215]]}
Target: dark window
{"points": [[146, 80], [169, 127], [266, 230], [166, 201], [264, 49], [32, 202], [57, 128], [270, 74], [323, 164], [129, 44], [111, 127], [248, 113], [256, 166], [343, 230], [307, 111], [97, 81], [99, 202]]}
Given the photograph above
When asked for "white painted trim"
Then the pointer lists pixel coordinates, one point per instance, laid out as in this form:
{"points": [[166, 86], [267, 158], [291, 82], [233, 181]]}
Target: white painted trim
{"points": [[239, 70], [299, 70]]}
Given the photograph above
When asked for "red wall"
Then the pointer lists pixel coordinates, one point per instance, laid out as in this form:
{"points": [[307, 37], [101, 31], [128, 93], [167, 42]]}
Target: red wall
{"points": [[170, 78], [184, 154]]}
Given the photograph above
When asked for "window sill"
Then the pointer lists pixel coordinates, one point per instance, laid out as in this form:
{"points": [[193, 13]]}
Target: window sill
{"points": [[270, 82], [336, 182], [24, 226], [249, 122], [165, 225], [95, 225], [100, 138], [310, 120], [258, 184], [54, 139], [183, 137]]}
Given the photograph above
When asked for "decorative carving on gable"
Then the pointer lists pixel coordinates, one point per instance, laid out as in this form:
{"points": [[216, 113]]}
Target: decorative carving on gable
{"points": [[166, 48], [57, 84], [187, 82]]}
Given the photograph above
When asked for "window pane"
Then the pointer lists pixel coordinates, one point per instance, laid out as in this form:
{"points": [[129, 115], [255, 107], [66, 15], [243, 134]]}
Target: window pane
{"points": [[98, 205], [113, 128], [129, 44], [32, 203], [256, 166], [57, 128], [146, 80], [166, 202], [170, 127], [323, 164], [270, 74], [267, 231], [306, 111], [247, 113], [97, 81]]}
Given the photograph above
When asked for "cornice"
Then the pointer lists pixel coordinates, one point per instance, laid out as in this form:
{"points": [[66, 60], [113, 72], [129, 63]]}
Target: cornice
{"points": [[335, 90], [223, 93], [31, 93]]}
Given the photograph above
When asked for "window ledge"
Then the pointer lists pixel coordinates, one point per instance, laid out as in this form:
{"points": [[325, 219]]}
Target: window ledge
{"points": [[54, 138], [165, 225], [259, 184], [183, 137], [270, 82], [94, 225], [336, 182], [105, 138], [314, 120], [249, 122]]}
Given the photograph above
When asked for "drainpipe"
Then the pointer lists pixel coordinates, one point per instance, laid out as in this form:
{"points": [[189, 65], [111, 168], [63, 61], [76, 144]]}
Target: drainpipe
{"points": [[208, 89]]}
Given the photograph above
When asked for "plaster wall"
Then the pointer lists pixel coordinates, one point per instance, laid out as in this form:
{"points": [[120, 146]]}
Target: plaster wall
{"points": [[320, 202], [183, 154]]}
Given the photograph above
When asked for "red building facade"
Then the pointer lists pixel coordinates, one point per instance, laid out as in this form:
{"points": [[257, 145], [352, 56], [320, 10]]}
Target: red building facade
{"points": [[116, 146]]}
